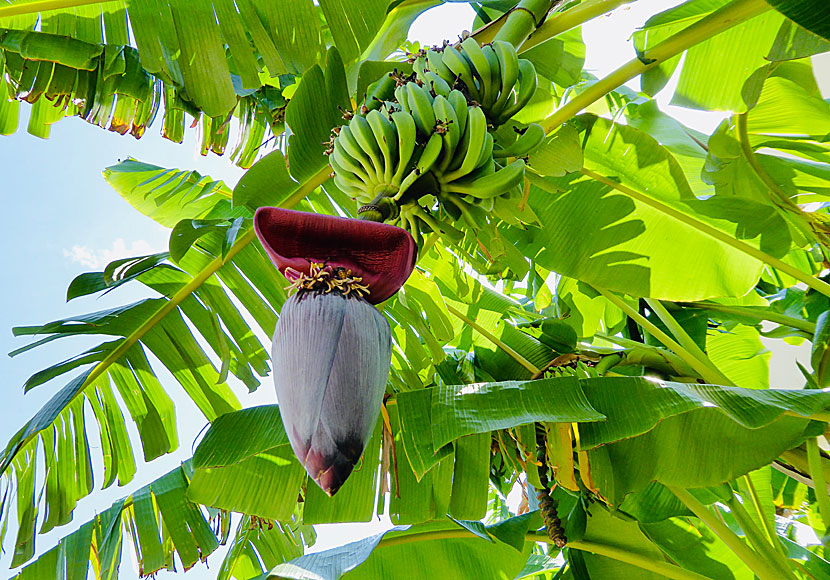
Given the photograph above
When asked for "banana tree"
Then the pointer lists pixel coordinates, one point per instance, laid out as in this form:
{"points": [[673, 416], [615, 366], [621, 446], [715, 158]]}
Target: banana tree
{"points": [[582, 327]]}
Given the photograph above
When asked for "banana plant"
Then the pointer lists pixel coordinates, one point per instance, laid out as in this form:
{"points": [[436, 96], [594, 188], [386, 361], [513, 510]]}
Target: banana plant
{"points": [[577, 316]]}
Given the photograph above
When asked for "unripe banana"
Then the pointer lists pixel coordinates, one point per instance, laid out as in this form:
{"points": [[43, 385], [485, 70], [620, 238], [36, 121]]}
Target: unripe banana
{"points": [[344, 164], [440, 227], [402, 97], [524, 91], [436, 63], [351, 187], [405, 127], [477, 132], [420, 65], [528, 140], [420, 102], [381, 91], [495, 76], [364, 136], [495, 184], [509, 67], [387, 141], [447, 124], [436, 84], [425, 162], [459, 103], [372, 155], [351, 148], [460, 67], [485, 204], [480, 68], [486, 151]]}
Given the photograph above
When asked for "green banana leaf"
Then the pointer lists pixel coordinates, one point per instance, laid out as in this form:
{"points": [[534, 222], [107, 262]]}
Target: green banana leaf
{"points": [[158, 522], [412, 551]]}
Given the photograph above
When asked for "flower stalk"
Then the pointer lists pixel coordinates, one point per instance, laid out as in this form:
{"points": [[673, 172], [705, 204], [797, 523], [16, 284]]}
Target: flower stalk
{"points": [[722, 19]]}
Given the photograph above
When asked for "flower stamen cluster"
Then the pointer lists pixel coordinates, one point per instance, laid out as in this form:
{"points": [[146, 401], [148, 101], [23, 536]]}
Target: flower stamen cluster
{"points": [[327, 279]]}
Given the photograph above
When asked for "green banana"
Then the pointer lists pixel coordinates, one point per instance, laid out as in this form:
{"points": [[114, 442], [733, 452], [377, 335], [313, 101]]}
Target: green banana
{"points": [[386, 139], [509, 67], [486, 150], [420, 102], [405, 127], [436, 63], [440, 227], [485, 204], [436, 84], [487, 168], [524, 92], [495, 184], [477, 131], [445, 114], [350, 147], [425, 162], [420, 65], [459, 103], [460, 68], [527, 141], [364, 136], [380, 91], [349, 164], [495, 75], [480, 68], [344, 179], [402, 97]]}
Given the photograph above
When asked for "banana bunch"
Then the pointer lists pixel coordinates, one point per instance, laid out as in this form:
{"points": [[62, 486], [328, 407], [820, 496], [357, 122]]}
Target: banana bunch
{"points": [[491, 75], [373, 155], [459, 151], [423, 155]]}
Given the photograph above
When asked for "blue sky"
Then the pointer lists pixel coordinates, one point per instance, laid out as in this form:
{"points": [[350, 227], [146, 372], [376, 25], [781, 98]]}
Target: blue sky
{"points": [[63, 219]]}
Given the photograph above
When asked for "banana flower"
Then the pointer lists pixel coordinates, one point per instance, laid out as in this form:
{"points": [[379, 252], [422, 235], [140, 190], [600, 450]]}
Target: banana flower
{"points": [[332, 348]]}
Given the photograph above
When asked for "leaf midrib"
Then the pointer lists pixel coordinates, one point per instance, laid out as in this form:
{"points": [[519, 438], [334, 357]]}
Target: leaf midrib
{"points": [[44, 5]]}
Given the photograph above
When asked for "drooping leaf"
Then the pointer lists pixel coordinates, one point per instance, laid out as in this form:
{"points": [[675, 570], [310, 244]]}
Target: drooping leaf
{"points": [[750, 426], [596, 232], [157, 510], [238, 447], [459, 410], [166, 195], [809, 14]]}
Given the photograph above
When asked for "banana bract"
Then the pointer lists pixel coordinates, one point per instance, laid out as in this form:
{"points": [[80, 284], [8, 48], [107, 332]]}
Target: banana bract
{"points": [[381, 254], [331, 356], [332, 348]]}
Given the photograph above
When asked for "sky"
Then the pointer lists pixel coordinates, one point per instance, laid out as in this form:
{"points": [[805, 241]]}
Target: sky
{"points": [[63, 219]]}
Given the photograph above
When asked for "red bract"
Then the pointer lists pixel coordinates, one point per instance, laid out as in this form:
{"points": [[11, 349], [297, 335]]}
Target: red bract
{"points": [[382, 255]]}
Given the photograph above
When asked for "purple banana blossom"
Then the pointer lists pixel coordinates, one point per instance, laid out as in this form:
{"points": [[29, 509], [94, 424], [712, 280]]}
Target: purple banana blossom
{"points": [[332, 349]]}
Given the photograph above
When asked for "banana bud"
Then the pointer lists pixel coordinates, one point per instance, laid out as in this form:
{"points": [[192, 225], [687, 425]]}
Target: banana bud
{"points": [[332, 348]]}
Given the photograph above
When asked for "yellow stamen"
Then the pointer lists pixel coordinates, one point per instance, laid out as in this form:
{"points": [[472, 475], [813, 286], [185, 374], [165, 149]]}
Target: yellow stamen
{"points": [[327, 279]]}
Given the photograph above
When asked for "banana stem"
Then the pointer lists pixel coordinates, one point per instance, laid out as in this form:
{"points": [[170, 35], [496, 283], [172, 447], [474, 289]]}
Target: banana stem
{"points": [[817, 473], [811, 281], [763, 569], [651, 356], [757, 539], [757, 314], [563, 21], [684, 339], [699, 366], [608, 362], [523, 20], [722, 19], [493, 338], [750, 496]]}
